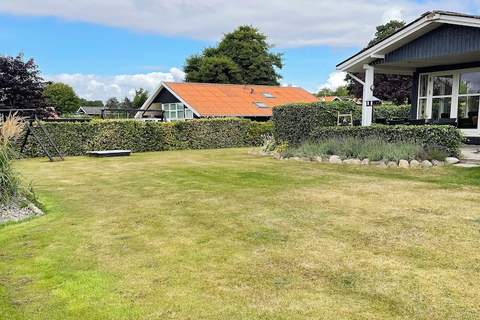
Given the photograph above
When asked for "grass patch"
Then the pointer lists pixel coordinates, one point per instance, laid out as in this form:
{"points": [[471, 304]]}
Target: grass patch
{"points": [[220, 234]]}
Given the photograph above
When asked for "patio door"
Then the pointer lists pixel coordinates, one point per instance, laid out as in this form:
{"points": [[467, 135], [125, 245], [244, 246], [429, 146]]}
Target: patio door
{"points": [[451, 94]]}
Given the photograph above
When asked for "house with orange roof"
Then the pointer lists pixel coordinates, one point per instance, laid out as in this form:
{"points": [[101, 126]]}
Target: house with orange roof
{"points": [[330, 98], [187, 100]]}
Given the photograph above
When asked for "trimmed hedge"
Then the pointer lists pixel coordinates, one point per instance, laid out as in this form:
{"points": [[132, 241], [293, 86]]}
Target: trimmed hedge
{"points": [[446, 138], [298, 123], [75, 138], [295, 121]]}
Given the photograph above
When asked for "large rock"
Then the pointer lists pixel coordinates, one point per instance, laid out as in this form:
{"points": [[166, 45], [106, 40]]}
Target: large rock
{"points": [[365, 162], [414, 164], [403, 164], [426, 164], [318, 159], [437, 163], [392, 164], [335, 159], [452, 160]]}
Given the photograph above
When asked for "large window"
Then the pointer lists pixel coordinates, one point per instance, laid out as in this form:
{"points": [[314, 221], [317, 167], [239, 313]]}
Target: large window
{"points": [[468, 100], [176, 111], [451, 94]]}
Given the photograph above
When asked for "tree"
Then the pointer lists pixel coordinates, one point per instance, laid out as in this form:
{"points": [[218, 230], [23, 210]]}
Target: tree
{"points": [[386, 30], [126, 103], [242, 56], [21, 86], [216, 70], [62, 97], [387, 87], [91, 103], [141, 95], [112, 103], [325, 92], [341, 91]]}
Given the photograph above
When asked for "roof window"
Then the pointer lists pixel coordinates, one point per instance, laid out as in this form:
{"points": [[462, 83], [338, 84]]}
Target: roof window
{"points": [[268, 95], [261, 105]]}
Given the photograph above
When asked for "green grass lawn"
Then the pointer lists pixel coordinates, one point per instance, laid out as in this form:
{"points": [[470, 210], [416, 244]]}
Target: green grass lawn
{"points": [[221, 234]]}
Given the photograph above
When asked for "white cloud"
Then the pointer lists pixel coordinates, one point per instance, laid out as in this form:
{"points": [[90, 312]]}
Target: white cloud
{"points": [[335, 79], [288, 23], [97, 87]]}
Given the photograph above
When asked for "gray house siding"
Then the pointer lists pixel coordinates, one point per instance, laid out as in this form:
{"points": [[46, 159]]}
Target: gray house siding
{"points": [[165, 96], [447, 40], [413, 109]]}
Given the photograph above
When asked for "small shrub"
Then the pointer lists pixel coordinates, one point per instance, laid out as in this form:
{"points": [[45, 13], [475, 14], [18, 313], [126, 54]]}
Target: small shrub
{"points": [[371, 148]]}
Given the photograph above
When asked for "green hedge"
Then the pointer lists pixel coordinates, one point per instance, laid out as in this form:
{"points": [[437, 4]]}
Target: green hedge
{"points": [[75, 138], [446, 138], [295, 121]]}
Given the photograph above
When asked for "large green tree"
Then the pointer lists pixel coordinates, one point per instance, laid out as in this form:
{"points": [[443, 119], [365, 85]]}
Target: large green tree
{"points": [[141, 95], [62, 97], [387, 87], [21, 85], [91, 103], [242, 56]]}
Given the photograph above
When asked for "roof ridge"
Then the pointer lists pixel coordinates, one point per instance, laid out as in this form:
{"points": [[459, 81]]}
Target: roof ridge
{"points": [[231, 84]]}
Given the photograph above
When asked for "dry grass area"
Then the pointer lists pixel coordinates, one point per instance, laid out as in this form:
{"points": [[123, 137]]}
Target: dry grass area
{"points": [[221, 234]]}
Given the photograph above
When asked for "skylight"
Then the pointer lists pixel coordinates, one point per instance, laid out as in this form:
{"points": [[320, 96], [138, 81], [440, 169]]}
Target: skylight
{"points": [[261, 105], [268, 95]]}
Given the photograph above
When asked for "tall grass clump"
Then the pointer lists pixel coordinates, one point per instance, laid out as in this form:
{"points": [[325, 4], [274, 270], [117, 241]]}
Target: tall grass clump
{"points": [[10, 186], [374, 149]]}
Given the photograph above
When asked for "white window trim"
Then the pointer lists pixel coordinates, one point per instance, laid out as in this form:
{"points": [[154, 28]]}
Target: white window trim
{"points": [[454, 96], [178, 107]]}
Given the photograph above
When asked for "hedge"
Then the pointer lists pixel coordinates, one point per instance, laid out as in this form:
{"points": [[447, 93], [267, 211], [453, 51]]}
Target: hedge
{"points": [[446, 138], [75, 138], [295, 121]]}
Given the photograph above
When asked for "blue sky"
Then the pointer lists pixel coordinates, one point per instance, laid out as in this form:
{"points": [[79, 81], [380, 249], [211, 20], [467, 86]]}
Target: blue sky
{"points": [[108, 49]]}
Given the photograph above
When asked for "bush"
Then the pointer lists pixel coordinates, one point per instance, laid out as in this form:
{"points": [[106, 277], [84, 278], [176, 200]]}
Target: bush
{"points": [[446, 139], [347, 148], [293, 122], [10, 186], [75, 138]]}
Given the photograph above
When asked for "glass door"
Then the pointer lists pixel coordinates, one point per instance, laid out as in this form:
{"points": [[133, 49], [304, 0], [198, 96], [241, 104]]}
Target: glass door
{"points": [[441, 98], [468, 101]]}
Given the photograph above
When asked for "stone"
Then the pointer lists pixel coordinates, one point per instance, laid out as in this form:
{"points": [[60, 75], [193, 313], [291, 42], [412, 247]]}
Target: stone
{"points": [[347, 161], [296, 158], [365, 162], [403, 164], [426, 164], [277, 156], [380, 164], [452, 160], [306, 159], [437, 163], [318, 159], [335, 159], [392, 164], [414, 164]]}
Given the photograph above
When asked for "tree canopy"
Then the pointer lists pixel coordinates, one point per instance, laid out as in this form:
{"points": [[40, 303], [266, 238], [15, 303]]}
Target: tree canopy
{"points": [[62, 97], [141, 95], [242, 56], [339, 92], [91, 103], [387, 87], [21, 85]]}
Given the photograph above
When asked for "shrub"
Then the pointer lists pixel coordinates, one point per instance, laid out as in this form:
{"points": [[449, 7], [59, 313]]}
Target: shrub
{"points": [[75, 138], [440, 138], [10, 187], [371, 148], [296, 121]]}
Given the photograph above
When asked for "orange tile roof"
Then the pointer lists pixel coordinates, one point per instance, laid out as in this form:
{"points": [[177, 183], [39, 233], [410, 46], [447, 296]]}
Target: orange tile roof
{"points": [[223, 100], [329, 98]]}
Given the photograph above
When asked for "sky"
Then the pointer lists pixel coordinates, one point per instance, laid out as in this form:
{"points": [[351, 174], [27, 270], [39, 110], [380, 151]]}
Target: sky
{"points": [[109, 48]]}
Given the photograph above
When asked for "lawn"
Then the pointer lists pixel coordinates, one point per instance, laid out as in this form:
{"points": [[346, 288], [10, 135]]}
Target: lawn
{"points": [[222, 234]]}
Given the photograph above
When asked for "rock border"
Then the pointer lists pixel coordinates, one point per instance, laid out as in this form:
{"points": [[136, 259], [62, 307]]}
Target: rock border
{"points": [[14, 212], [335, 159]]}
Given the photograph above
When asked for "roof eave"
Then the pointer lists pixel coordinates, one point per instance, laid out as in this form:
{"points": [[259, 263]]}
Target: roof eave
{"points": [[433, 19]]}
